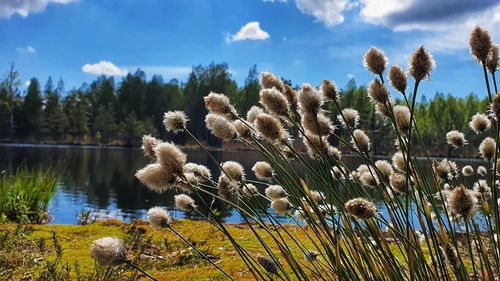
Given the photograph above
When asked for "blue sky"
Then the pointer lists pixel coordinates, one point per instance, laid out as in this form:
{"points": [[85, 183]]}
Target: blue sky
{"points": [[302, 40]]}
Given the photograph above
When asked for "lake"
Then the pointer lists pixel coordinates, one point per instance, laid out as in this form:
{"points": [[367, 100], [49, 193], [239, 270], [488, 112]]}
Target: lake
{"points": [[102, 179]]}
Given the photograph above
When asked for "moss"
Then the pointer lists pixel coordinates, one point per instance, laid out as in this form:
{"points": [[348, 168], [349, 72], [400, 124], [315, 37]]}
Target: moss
{"points": [[177, 263], [161, 253]]}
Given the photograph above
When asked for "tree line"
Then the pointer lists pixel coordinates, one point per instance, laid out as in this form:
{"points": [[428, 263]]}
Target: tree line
{"points": [[109, 112]]}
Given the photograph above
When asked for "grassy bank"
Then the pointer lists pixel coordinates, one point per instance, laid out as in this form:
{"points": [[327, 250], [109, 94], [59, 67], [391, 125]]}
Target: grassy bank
{"points": [[26, 193], [56, 252]]}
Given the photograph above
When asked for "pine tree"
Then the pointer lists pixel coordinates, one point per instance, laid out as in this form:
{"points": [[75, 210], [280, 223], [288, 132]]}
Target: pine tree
{"points": [[32, 109], [9, 97]]}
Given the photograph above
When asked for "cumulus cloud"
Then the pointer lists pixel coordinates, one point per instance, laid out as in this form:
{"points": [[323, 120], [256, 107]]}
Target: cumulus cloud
{"points": [[250, 31], [446, 22], [329, 12], [104, 68], [26, 7], [26, 50], [400, 13]]}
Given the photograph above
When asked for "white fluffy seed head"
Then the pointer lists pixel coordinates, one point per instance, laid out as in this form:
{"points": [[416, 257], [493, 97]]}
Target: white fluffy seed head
{"points": [[175, 121], [368, 179], [480, 123], [263, 170], [228, 189], [330, 91], [184, 202], [375, 61], [467, 171], [360, 208], [480, 44], [253, 112], [170, 157], [445, 169], [338, 173], [360, 141], [310, 100], [384, 168], [221, 127], [198, 170], [378, 92], [148, 144], [275, 192], [108, 251], [481, 186], [244, 129], [487, 148], [318, 124], [482, 171], [281, 206], [318, 196], [156, 177], [349, 118], [421, 64], [456, 139], [398, 183], [233, 170], [316, 146], [159, 218], [462, 202], [402, 117], [383, 109], [270, 128], [274, 102], [219, 104], [269, 80], [250, 190], [399, 161]]}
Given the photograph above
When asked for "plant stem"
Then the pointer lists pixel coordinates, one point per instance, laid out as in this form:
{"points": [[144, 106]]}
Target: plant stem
{"points": [[487, 81], [199, 252], [142, 271]]}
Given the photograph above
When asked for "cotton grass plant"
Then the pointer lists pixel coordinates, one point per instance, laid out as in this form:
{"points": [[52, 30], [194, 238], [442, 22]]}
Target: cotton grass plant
{"points": [[430, 229]]}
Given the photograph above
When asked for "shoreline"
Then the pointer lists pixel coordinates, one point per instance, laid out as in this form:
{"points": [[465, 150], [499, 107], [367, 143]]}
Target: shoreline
{"points": [[224, 148]]}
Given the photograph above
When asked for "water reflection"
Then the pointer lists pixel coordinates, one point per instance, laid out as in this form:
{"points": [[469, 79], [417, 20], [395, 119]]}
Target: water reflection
{"points": [[103, 179]]}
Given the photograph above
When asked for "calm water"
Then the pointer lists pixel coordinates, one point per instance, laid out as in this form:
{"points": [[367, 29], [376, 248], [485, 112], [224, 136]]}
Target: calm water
{"points": [[102, 179]]}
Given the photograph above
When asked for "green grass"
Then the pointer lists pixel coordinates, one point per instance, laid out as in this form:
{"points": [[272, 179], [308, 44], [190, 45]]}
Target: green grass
{"points": [[26, 193]]}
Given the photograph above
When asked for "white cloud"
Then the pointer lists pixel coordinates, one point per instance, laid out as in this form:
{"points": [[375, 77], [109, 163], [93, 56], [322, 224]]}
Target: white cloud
{"points": [[104, 68], [329, 12], [350, 76], [250, 31], [26, 7], [446, 23], [27, 83], [26, 50]]}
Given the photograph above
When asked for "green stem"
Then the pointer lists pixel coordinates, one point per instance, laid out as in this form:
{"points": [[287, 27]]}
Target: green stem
{"points": [[199, 252], [140, 270], [487, 81]]}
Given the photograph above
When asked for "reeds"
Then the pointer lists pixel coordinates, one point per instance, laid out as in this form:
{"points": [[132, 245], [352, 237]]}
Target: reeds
{"points": [[429, 229], [25, 195]]}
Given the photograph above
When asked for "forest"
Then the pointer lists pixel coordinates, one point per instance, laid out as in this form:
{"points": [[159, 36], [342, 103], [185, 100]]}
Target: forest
{"points": [[109, 112]]}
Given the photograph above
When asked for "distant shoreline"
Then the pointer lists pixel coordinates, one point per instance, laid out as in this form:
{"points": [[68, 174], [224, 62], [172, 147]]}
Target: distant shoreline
{"points": [[210, 148]]}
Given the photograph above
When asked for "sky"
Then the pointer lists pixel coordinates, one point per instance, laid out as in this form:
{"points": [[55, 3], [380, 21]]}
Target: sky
{"points": [[301, 40]]}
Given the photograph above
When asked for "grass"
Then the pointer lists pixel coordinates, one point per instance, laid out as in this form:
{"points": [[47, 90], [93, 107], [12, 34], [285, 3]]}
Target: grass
{"points": [[26, 193], [43, 251]]}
